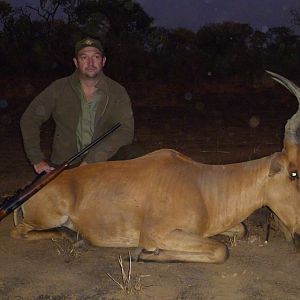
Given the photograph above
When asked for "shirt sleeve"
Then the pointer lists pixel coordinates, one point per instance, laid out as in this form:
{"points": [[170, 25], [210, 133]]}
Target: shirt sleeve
{"points": [[38, 111]]}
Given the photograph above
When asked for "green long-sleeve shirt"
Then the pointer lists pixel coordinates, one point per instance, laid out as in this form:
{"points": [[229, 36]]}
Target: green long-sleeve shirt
{"points": [[61, 100]]}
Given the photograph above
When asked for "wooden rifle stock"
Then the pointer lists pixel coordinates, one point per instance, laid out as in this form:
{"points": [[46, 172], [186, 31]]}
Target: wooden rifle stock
{"points": [[11, 203]]}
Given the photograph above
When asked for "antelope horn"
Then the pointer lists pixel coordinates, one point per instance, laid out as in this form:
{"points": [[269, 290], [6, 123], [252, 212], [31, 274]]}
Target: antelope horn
{"points": [[292, 127]]}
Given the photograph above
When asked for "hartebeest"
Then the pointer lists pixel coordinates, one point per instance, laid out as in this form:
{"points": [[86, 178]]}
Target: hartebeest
{"points": [[166, 204]]}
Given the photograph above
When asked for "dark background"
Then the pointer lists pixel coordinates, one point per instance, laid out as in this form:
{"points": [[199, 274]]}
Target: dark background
{"points": [[184, 84], [203, 92], [37, 39]]}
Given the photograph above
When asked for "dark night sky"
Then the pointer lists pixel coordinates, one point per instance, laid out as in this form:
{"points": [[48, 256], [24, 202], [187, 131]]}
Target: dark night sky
{"points": [[192, 14]]}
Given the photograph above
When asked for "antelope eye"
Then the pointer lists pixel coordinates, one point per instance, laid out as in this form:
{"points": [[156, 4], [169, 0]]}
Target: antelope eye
{"points": [[294, 175]]}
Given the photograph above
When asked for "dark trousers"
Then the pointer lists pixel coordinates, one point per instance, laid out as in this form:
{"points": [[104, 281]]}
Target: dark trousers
{"points": [[130, 151], [126, 152]]}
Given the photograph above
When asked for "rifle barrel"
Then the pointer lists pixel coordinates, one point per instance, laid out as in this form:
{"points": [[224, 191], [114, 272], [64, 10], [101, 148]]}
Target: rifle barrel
{"points": [[93, 143], [11, 203]]}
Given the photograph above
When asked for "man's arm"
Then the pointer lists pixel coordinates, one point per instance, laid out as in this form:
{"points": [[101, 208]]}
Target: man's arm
{"points": [[38, 111]]}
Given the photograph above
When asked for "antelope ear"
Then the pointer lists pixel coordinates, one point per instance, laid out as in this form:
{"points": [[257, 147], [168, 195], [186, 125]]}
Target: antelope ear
{"points": [[275, 166]]}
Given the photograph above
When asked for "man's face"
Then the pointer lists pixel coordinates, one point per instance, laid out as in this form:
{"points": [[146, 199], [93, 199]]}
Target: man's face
{"points": [[89, 62]]}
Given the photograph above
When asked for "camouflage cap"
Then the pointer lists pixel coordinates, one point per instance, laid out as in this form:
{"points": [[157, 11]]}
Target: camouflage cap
{"points": [[88, 42]]}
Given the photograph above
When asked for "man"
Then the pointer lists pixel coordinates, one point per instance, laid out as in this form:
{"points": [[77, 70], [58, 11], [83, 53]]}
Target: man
{"points": [[83, 106]]}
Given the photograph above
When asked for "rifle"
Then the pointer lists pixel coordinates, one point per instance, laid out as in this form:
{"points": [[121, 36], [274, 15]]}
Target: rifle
{"points": [[11, 203]]}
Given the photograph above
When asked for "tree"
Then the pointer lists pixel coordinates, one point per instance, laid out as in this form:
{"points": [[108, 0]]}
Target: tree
{"points": [[295, 16], [224, 48], [121, 25], [283, 48], [6, 11], [40, 40]]}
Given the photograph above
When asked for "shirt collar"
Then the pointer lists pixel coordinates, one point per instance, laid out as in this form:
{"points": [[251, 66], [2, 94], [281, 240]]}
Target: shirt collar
{"points": [[101, 84]]}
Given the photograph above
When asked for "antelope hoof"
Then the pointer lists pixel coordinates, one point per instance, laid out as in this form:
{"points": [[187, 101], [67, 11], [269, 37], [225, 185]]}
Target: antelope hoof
{"points": [[296, 242]]}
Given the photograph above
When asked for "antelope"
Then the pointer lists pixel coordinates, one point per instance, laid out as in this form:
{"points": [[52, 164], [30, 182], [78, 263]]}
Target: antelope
{"points": [[167, 205]]}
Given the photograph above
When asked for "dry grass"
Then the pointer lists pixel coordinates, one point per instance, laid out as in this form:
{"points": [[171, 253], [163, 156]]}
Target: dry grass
{"points": [[66, 249], [129, 283], [233, 240]]}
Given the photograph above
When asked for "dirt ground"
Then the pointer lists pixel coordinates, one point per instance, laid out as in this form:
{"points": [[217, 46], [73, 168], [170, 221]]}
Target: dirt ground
{"points": [[211, 124]]}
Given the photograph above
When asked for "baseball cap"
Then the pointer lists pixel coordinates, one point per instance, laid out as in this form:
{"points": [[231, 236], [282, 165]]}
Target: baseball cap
{"points": [[88, 42]]}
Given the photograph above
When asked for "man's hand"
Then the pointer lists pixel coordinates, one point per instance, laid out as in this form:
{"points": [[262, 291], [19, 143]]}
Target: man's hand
{"points": [[42, 166]]}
